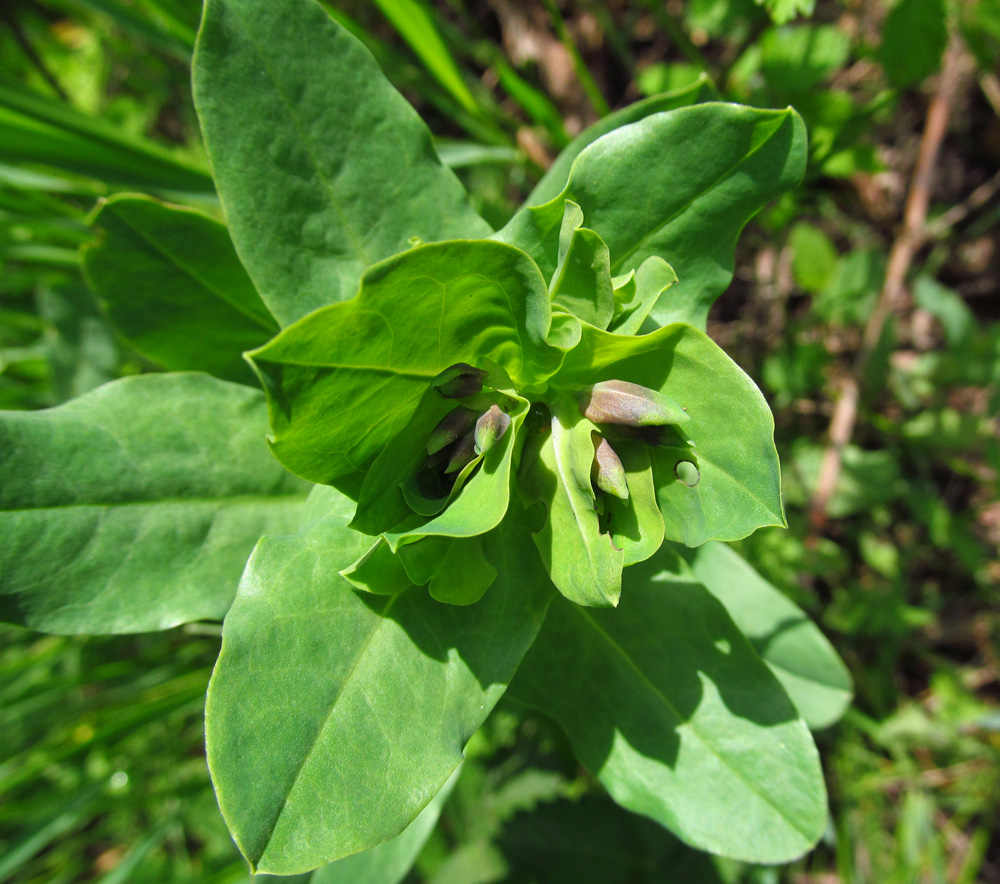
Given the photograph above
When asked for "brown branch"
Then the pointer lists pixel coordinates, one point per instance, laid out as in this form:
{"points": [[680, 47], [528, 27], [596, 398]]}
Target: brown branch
{"points": [[909, 240]]}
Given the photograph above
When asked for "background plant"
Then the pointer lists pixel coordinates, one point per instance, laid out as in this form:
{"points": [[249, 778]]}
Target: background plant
{"points": [[885, 601]]}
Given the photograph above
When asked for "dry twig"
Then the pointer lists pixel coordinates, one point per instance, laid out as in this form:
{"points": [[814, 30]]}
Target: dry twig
{"points": [[911, 237]]}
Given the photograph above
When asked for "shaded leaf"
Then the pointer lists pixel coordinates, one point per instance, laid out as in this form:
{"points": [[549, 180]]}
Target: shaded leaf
{"points": [[667, 704], [135, 506], [174, 288]]}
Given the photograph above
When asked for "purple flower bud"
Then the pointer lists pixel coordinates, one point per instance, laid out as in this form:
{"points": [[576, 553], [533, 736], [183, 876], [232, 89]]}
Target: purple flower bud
{"points": [[462, 454], [607, 472], [456, 423], [619, 402], [490, 427], [460, 380]]}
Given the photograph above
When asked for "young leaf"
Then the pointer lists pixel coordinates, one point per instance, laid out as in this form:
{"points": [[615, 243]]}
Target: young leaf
{"points": [[322, 167], [342, 382], [799, 655], [174, 288], [729, 434], [667, 704], [679, 185], [454, 568], [333, 717], [582, 561], [378, 571], [581, 284], [554, 180], [134, 507], [651, 280]]}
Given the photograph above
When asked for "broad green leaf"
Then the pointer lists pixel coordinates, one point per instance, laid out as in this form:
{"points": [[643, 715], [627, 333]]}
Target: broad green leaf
{"points": [[799, 655], [554, 482], [650, 281], [135, 506], [322, 167], [555, 178], [581, 284], [666, 703], [679, 185], [345, 380], [174, 288], [729, 437], [334, 717], [636, 524], [782, 11], [389, 862], [37, 129]]}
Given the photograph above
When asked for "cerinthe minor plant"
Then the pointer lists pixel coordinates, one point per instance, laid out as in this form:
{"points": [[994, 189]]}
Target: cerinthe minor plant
{"points": [[498, 460]]}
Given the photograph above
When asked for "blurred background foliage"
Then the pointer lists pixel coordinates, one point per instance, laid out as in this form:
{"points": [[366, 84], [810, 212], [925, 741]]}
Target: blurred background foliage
{"points": [[102, 774]]}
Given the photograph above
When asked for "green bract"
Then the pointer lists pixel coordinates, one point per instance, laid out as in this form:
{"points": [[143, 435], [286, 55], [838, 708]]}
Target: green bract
{"points": [[504, 431]]}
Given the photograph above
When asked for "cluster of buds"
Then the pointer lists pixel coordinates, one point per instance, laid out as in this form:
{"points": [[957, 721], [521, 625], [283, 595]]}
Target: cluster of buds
{"points": [[629, 412], [464, 434]]}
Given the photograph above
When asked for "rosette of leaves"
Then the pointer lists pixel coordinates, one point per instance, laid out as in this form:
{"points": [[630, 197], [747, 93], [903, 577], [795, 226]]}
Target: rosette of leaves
{"points": [[494, 452]]}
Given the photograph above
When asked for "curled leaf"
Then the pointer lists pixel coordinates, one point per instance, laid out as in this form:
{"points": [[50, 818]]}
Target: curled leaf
{"points": [[632, 405]]}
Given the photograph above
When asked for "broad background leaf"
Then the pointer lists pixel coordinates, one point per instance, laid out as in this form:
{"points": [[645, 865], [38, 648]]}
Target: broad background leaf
{"points": [[667, 704], [334, 716], [799, 655], [170, 280], [322, 167], [135, 506]]}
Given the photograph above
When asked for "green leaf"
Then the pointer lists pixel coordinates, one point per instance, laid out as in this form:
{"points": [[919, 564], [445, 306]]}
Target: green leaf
{"points": [[581, 284], [333, 718], [582, 560], [322, 167], [799, 58], [783, 11], [388, 862], [729, 437], [135, 506], [378, 571], [345, 380], [36, 129], [798, 654], [651, 280], [671, 709], [814, 257], [172, 284], [913, 40], [454, 569], [555, 178], [679, 185], [636, 525]]}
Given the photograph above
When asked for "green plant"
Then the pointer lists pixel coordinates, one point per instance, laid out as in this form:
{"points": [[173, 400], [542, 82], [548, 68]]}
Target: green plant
{"points": [[345, 693]]}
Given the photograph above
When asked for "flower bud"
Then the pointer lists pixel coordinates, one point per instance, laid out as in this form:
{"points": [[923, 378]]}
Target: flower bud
{"points": [[619, 402], [490, 427], [460, 380], [455, 423], [462, 454], [607, 472]]}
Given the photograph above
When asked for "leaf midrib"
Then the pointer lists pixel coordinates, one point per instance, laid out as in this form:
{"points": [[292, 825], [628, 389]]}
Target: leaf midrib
{"points": [[791, 820], [234, 499]]}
